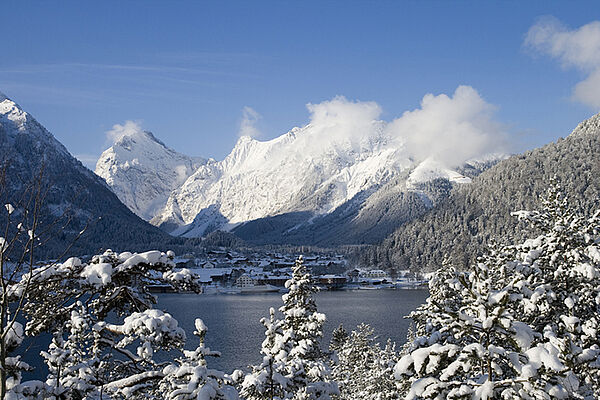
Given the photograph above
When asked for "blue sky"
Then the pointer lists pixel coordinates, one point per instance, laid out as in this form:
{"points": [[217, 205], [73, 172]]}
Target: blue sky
{"points": [[187, 70]]}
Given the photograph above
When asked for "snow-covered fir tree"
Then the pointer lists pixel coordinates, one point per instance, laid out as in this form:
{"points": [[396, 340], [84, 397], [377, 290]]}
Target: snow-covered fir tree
{"points": [[472, 345], [302, 327], [339, 336], [510, 327], [383, 385], [268, 379], [564, 307], [362, 369], [355, 357], [293, 366]]}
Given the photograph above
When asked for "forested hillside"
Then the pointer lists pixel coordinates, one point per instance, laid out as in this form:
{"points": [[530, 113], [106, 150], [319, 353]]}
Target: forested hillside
{"points": [[458, 227]]}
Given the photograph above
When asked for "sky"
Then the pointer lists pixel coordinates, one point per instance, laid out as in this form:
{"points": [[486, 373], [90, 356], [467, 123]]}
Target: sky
{"points": [[199, 74]]}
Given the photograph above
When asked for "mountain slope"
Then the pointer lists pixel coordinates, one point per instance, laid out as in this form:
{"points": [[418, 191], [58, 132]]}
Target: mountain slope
{"points": [[143, 172], [458, 228], [371, 215], [74, 192]]}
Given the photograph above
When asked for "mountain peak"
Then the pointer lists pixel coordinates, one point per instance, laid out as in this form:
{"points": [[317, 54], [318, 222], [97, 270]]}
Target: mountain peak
{"points": [[131, 137], [244, 139], [142, 171], [11, 113], [9, 103], [76, 195], [154, 138]]}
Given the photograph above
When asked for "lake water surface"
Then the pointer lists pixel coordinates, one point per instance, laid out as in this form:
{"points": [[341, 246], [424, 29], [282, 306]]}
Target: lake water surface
{"points": [[235, 330]]}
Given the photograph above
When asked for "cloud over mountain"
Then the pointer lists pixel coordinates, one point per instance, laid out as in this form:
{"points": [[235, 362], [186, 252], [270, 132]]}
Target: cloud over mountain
{"points": [[118, 131], [248, 124], [449, 129]]}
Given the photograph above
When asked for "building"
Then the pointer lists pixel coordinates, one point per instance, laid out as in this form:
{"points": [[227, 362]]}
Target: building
{"points": [[374, 274], [332, 281], [244, 281]]}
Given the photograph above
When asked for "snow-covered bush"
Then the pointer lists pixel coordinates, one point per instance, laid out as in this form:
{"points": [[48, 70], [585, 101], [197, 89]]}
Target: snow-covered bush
{"points": [[73, 362], [189, 378], [110, 282]]}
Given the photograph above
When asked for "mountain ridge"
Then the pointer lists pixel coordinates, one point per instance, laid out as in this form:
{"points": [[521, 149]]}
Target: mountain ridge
{"points": [[74, 194], [289, 174]]}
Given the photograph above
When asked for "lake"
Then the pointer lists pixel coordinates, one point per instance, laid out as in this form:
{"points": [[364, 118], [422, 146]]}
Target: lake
{"points": [[235, 330]]}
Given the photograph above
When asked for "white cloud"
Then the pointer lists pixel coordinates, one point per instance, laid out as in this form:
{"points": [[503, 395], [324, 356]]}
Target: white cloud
{"points": [[446, 129], [340, 119], [338, 123], [248, 124], [450, 130], [577, 48], [129, 128]]}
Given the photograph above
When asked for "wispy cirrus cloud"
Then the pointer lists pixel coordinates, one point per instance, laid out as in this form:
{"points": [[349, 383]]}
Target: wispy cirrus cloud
{"points": [[212, 58], [150, 68], [573, 48]]}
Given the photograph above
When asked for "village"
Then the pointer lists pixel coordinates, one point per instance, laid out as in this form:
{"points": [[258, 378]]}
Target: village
{"points": [[233, 272]]}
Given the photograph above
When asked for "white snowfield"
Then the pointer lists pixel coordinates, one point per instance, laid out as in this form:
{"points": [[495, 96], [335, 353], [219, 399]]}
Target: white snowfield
{"points": [[306, 169]]}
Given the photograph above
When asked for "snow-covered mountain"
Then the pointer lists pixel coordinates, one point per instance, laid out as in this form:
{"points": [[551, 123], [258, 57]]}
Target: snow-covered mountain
{"points": [[296, 172], [143, 172], [16, 125], [289, 173], [329, 167], [372, 214], [74, 196]]}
